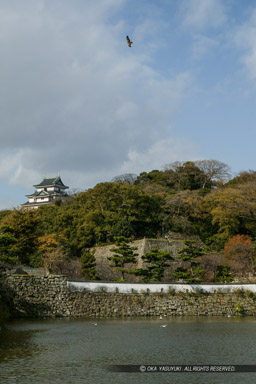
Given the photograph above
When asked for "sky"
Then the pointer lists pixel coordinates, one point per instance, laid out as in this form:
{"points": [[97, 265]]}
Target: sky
{"points": [[76, 101]]}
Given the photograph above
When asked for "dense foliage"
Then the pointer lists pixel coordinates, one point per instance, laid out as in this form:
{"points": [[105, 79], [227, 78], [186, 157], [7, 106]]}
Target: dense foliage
{"points": [[191, 198], [123, 253], [190, 270], [8, 241], [88, 262], [156, 262]]}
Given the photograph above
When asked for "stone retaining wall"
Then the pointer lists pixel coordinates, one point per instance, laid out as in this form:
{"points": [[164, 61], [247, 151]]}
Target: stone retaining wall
{"points": [[143, 246], [47, 296]]}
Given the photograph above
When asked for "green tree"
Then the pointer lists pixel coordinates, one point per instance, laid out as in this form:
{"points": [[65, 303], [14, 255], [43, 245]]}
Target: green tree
{"points": [[156, 261], [88, 264], [245, 177], [8, 249], [188, 255], [186, 175], [223, 274], [232, 211], [25, 230], [61, 220], [3, 214], [127, 178], [182, 274], [114, 209], [123, 254]]}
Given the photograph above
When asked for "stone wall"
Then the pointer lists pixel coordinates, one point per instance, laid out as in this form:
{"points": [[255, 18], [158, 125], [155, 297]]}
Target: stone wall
{"points": [[49, 296], [143, 246]]}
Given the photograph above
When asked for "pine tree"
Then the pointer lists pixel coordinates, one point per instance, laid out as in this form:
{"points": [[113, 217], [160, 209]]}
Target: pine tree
{"points": [[188, 255], [223, 273], [88, 263], [123, 254], [156, 261]]}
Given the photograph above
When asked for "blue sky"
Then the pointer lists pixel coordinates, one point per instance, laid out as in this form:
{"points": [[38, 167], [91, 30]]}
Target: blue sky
{"points": [[76, 101]]}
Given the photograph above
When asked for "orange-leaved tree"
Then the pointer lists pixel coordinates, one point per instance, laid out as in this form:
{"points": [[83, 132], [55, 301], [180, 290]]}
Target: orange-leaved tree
{"points": [[239, 249], [52, 249]]}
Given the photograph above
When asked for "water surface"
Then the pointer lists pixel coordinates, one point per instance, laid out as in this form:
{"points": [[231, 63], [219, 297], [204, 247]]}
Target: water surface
{"points": [[65, 351]]}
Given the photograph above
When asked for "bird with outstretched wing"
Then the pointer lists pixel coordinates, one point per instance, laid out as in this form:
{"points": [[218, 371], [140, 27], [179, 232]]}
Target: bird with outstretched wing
{"points": [[129, 42]]}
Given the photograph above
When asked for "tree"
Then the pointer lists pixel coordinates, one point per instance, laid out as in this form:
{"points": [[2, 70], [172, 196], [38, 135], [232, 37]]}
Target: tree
{"points": [[3, 214], [173, 166], [154, 176], [88, 264], [213, 171], [114, 209], [8, 249], [240, 250], [50, 242], [181, 211], [48, 246], [156, 261], [55, 261], [123, 254], [244, 177], [223, 274], [182, 274], [127, 178], [53, 251], [232, 211], [186, 175], [188, 255], [25, 230]]}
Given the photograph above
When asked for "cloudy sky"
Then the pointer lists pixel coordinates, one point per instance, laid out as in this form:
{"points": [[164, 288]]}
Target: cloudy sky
{"points": [[76, 101]]}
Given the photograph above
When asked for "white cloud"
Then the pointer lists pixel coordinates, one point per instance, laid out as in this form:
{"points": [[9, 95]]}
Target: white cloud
{"points": [[159, 153], [74, 99], [203, 14], [202, 46], [15, 167], [245, 38], [8, 163]]}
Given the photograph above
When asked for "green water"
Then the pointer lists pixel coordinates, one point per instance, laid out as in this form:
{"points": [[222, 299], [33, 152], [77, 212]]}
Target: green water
{"points": [[78, 351]]}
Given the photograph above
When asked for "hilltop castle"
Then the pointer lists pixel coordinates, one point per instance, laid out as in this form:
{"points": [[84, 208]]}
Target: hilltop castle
{"points": [[47, 193]]}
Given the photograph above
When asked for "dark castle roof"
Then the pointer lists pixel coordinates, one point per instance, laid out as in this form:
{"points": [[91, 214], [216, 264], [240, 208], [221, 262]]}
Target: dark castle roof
{"points": [[56, 181], [47, 193]]}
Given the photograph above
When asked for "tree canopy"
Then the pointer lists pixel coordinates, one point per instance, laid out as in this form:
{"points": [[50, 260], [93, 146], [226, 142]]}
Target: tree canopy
{"points": [[192, 198], [156, 262]]}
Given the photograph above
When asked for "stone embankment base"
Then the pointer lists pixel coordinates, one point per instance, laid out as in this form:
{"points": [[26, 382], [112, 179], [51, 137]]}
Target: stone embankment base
{"points": [[50, 296]]}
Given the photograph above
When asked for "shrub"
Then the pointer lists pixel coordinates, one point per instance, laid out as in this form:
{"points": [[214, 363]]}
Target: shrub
{"points": [[239, 308]]}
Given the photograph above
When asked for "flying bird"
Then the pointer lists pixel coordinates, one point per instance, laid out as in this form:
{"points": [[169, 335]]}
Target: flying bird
{"points": [[129, 42]]}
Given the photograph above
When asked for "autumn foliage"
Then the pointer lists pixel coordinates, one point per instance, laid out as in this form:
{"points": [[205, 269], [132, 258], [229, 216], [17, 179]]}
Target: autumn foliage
{"points": [[239, 249], [189, 200]]}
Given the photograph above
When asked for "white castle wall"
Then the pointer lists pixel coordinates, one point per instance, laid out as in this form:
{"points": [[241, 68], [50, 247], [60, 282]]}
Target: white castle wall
{"points": [[156, 288]]}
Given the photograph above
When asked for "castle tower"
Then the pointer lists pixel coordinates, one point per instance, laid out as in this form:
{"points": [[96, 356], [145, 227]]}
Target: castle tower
{"points": [[47, 193]]}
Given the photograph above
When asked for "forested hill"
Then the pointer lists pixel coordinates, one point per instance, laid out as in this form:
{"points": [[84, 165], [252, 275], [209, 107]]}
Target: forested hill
{"points": [[192, 198]]}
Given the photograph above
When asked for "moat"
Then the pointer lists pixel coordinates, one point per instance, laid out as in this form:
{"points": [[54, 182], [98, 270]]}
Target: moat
{"points": [[81, 350]]}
